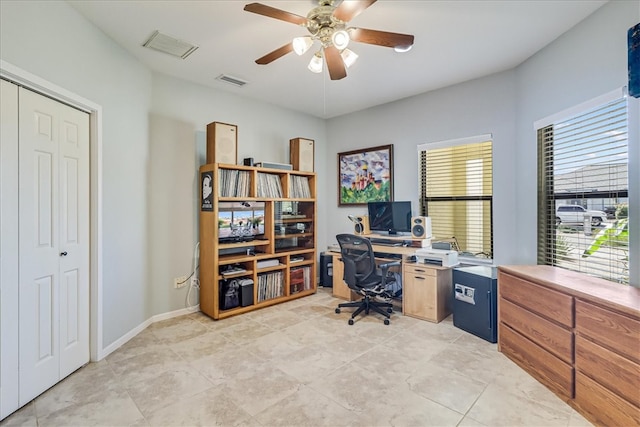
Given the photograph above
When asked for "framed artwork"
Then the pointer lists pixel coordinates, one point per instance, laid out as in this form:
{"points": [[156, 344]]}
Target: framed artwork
{"points": [[365, 176]]}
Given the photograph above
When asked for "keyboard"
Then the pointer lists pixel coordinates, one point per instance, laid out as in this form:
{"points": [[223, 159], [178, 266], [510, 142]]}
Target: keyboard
{"points": [[385, 242]]}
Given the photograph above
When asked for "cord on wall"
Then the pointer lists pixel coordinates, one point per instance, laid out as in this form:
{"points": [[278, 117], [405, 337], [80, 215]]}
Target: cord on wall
{"points": [[194, 286]]}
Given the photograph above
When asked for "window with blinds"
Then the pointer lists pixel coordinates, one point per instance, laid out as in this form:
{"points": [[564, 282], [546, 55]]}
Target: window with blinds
{"points": [[583, 193], [456, 184]]}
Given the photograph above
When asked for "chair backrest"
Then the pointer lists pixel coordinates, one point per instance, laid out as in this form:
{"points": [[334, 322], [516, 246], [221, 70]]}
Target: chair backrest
{"points": [[358, 259]]}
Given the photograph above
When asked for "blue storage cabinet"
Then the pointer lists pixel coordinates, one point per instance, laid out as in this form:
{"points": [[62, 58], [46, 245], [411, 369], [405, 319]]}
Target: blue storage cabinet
{"points": [[474, 301]]}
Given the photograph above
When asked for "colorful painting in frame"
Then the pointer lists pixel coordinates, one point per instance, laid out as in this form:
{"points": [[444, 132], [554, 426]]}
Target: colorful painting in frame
{"points": [[365, 176]]}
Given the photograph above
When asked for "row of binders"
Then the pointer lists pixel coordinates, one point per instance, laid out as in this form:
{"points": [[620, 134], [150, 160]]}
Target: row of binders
{"points": [[299, 187], [234, 183]]}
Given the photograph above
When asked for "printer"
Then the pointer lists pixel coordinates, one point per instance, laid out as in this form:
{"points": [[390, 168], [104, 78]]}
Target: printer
{"points": [[442, 257]]}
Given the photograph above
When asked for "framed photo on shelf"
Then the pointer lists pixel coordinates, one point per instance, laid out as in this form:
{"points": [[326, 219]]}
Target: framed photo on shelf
{"points": [[365, 175]]}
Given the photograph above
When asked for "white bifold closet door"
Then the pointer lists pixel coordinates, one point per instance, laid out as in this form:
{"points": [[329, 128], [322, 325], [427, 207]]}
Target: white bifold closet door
{"points": [[53, 236]]}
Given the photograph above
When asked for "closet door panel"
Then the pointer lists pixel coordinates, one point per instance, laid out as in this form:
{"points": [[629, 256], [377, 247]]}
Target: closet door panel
{"points": [[8, 248]]}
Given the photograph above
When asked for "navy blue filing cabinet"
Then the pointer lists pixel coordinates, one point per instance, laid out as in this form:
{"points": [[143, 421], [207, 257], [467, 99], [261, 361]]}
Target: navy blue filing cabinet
{"points": [[475, 302]]}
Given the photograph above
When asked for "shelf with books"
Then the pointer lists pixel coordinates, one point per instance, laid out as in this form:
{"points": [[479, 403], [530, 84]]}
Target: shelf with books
{"points": [[300, 279], [250, 220]]}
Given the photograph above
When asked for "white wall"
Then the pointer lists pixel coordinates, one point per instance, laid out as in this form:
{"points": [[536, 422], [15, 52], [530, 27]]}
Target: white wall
{"points": [[153, 143], [477, 107], [178, 120], [587, 61], [51, 40], [153, 135]]}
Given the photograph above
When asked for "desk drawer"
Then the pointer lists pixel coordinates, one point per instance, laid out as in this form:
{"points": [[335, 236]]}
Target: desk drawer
{"points": [[538, 299], [419, 270]]}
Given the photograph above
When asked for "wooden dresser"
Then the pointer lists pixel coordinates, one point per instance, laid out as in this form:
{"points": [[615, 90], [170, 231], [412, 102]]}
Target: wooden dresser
{"points": [[578, 335]]}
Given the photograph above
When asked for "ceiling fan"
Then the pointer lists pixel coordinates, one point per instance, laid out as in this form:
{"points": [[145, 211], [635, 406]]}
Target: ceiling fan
{"points": [[328, 24]]}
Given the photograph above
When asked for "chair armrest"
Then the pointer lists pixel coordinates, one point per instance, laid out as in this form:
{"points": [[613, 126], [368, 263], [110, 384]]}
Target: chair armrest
{"points": [[384, 267]]}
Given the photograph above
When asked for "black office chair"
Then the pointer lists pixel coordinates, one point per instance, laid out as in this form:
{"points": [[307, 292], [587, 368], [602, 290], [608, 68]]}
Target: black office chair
{"points": [[363, 276]]}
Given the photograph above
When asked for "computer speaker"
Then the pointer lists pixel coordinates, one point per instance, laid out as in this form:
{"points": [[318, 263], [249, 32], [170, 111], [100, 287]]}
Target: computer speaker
{"points": [[421, 227], [222, 143], [301, 154], [361, 227]]}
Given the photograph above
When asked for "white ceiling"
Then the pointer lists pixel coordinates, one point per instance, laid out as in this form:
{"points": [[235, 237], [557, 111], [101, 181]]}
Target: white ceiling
{"points": [[455, 41]]}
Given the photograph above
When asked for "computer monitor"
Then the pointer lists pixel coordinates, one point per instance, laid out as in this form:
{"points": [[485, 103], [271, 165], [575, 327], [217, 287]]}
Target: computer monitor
{"points": [[390, 217]]}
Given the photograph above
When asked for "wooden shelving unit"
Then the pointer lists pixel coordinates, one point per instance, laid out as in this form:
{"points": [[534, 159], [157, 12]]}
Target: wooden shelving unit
{"points": [[240, 231]]}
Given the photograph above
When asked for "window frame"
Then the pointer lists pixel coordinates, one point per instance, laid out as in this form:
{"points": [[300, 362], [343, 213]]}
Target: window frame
{"points": [[424, 199], [547, 198]]}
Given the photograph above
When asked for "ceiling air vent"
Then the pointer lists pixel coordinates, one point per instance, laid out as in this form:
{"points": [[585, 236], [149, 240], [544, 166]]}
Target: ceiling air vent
{"points": [[170, 45], [231, 80]]}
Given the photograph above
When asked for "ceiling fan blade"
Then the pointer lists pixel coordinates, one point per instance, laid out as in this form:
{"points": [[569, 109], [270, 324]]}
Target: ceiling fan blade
{"points": [[335, 65], [272, 12], [349, 9], [380, 38], [272, 56]]}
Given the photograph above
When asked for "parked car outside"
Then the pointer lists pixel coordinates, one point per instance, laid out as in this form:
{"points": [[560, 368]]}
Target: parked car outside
{"points": [[610, 211], [574, 214]]}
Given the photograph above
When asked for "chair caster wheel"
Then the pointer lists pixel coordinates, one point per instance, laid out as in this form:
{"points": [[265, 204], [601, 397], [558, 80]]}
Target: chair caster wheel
{"points": [[337, 310], [386, 321], [351, 321], [389, 310]]}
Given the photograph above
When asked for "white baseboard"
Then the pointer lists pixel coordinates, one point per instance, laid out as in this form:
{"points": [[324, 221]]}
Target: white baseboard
{"points": [[141, 327], [176, 313]]}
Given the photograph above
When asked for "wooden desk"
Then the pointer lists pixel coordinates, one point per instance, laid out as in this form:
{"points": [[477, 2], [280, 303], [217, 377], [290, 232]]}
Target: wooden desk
{"points": [[426, 289]]}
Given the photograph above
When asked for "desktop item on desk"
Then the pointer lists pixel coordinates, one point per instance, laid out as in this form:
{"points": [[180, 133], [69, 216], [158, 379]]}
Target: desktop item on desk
{"points": [[385, 242], [361, 224], [390, 217], [421, 227], [437, 256]]}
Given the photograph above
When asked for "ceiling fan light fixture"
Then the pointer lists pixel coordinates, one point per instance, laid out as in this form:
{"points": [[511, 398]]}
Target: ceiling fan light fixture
{"points": [[316, 63], [402, 49], [349, 57], [340, 39], [302, 44]]}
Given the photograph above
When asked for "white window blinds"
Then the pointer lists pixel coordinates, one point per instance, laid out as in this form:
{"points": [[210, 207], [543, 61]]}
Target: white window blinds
{"points": [[456, 185], [583, 192]]}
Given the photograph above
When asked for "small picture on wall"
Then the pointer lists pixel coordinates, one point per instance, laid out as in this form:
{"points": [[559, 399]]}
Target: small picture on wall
{"points": [[207, 191], [365, 176]]}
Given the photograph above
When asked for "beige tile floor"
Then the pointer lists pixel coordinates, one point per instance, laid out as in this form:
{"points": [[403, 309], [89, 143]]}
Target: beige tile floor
{"points": [[300, 364]]}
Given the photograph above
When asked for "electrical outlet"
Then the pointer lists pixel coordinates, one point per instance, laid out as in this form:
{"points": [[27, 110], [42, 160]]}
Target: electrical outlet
{"points": [[180, 282]]}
